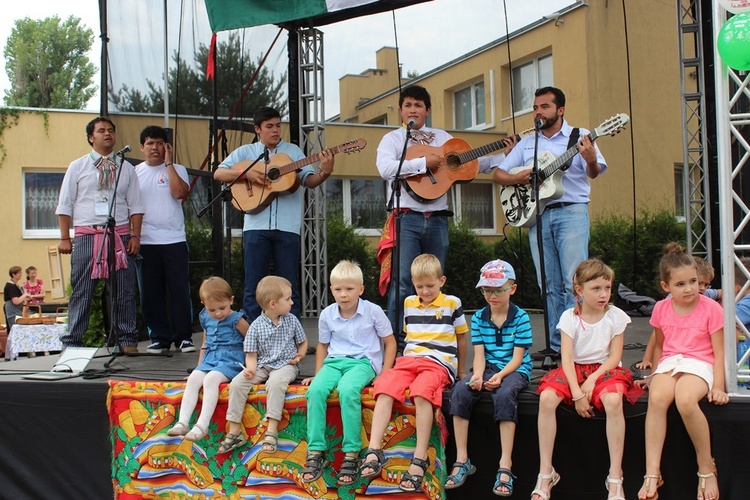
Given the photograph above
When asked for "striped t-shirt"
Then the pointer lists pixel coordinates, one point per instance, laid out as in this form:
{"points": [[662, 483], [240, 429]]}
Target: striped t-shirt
{"points": [[431, 330], [499, 343]]}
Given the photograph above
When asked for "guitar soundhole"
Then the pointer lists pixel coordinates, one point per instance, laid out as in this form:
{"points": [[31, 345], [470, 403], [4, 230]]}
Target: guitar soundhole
{"points": [[452, 162], [273, 174]]}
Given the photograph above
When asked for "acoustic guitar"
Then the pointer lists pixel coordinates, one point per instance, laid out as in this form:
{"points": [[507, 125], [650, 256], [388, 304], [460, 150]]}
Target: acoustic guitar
{"points": [[459, 164], [515, 200], [281, 172]]}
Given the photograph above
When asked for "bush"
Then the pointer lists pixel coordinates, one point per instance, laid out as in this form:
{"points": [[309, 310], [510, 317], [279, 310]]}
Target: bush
{"points": [[515, 249], [466, 256]]}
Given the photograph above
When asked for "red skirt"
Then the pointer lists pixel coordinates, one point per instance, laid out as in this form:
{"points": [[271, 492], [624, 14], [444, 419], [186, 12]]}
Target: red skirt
{"points": [[617, 380]]}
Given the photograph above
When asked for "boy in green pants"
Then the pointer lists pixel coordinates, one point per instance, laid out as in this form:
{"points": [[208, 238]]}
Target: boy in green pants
{"points": [[348, 357]]}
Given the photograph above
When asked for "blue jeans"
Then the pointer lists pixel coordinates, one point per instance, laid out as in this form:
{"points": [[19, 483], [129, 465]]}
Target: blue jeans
{"points": [[418, 235], [261, 247], [565, 236]]}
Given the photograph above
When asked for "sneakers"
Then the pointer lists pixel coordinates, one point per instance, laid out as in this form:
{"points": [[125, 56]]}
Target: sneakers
{"points": [[157, 348], [540, 355], [187, 346]]}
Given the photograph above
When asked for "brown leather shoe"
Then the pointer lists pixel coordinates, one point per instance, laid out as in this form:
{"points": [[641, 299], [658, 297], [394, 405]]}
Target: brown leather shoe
{"points": [[130, 349]]}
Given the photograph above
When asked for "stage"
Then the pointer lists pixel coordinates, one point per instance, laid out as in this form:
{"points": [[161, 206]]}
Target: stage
{"points": [[56, 440]]}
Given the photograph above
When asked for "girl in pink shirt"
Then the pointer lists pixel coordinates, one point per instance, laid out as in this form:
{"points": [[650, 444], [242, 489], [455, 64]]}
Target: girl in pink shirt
{"points": [[689, 330]]}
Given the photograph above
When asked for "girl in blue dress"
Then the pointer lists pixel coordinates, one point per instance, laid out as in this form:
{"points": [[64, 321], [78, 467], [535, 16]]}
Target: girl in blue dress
{"points": [[224, 332]]}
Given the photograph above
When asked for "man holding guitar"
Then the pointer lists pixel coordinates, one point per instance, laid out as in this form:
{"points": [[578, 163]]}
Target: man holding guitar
{"points": [[565, 220], [272, 233], [424, 222]]}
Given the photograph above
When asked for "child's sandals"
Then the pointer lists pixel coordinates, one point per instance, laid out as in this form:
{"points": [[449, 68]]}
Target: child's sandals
{"points": [[647, 480], [178, 429], [269, 443], [349, 471], [619, 493], [375, 466], [553, 479], [702, 483], [196, 433], [414, 482], [465, 469], [232, 441], [499, 483], [314, 465]]}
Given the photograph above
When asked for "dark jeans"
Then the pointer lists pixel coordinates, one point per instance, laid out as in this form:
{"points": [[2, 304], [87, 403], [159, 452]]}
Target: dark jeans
{"points": [[262, 247], [164, 282], [504, 398]]}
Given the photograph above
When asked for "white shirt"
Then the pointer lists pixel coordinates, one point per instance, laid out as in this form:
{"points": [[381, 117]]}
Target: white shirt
{"points": [[591, 341], [389, 157], [80, 190], [163, 219]]}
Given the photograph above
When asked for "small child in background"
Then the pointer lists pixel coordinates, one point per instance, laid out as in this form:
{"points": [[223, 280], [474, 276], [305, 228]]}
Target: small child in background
{"points": [[434, 356], [33, 286], [348, 358], [274, 346], [501, 335], [690, 351], [222, 353], [591, 374]]}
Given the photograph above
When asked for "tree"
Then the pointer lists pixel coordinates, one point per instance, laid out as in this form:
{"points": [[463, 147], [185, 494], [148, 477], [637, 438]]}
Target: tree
{"points": [[47, 64], [190, 92]]}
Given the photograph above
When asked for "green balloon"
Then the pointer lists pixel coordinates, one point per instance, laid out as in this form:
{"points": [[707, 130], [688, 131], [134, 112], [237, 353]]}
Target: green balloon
{"points": [[734, 42]]}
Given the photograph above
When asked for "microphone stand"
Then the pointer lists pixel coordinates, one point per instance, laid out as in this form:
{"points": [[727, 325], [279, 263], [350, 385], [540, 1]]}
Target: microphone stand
{"points": [[113, 337], [548, 363], [395, 256]]}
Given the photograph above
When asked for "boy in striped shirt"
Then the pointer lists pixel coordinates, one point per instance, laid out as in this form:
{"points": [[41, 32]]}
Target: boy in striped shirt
{"points": [[501, 335], [434, 357]]}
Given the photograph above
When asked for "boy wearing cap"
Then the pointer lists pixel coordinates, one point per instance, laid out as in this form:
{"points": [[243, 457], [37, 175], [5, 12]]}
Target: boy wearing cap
{"points": [[501, 336]]}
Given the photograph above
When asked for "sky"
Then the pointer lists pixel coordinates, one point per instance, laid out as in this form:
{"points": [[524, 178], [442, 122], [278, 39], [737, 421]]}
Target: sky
{"points": [[427, 35]]}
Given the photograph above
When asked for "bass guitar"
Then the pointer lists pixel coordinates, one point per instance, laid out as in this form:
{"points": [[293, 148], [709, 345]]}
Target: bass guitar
{"points": [[515, 200], [459, 164], [281, 172]]}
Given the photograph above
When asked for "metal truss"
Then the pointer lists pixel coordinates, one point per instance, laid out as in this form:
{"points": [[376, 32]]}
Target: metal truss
{"points": [[314, 289], [733, 123], [695, 176]]}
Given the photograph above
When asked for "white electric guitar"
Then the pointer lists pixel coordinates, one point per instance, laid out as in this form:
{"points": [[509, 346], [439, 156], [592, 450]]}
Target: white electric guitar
{"points": [[515, 200]]}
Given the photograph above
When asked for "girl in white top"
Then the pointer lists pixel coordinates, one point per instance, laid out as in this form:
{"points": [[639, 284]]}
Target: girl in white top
{"points": [[590, 375]]}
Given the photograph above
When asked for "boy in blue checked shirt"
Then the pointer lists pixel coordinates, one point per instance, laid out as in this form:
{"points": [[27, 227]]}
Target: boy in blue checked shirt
{"points": [[274, 346], [501, 335], [348, 357]]}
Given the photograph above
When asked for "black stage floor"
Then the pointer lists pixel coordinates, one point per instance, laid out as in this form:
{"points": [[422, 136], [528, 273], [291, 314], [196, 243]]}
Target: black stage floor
{"points": [[55, 435]]}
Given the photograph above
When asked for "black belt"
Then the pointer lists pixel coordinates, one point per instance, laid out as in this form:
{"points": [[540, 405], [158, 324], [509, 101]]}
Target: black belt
{"points": [[559, 204], [439, 213]]}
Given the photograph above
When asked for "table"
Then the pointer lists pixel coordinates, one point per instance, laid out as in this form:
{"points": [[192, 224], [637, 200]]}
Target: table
{"points": [[34, 338]]}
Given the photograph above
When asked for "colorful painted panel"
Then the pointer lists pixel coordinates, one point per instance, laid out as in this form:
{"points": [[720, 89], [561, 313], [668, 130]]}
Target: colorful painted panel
{"points": [[149, 464]]}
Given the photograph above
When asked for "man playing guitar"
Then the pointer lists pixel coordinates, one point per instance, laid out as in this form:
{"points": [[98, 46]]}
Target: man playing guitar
{"points": [[565, 221]]}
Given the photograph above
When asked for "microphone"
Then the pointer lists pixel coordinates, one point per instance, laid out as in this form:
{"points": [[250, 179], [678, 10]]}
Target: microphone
{"points": [[538, 124], [124, 150], [265, 156], [410, 124]]}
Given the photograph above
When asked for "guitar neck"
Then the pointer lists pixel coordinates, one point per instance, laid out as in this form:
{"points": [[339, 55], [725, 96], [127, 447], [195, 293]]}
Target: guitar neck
{"points": [[297, 165], [475, 153], [561, 160]]}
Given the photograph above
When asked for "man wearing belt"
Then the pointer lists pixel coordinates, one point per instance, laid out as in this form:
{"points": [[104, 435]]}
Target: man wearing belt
{"points": [[423, 226], [87, 191], [565, 222]]}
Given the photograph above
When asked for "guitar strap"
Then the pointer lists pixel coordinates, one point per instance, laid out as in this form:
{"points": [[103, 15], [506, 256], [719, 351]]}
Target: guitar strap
{"points": [[574, 135]]}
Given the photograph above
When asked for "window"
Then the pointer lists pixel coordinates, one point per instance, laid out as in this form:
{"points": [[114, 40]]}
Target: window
{"points": [[468, 104], [679, 192], [527, 78], [362, 203], [474, 203], [41, 191]]}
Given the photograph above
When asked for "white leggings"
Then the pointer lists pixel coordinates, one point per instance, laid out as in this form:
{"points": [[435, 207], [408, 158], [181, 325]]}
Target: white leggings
{"points": [[210, 382]]}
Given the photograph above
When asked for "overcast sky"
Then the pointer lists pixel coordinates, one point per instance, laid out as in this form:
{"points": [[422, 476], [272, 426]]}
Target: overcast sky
{"points": [[428, 34]]}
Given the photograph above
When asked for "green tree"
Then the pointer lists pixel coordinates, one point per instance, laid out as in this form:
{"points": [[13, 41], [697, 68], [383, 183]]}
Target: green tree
{"points": [[190, 92], [47, 64]]}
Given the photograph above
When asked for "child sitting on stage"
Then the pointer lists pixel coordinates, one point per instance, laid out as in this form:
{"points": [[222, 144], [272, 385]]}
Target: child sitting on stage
{"points": [[274, 346], [348, 357], [222, 353], [435, 332], [501, 335]]}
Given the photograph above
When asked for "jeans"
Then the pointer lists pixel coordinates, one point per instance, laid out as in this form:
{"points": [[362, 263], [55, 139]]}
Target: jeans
{"points": [[418, 235], [261, 247], [565, 236]]}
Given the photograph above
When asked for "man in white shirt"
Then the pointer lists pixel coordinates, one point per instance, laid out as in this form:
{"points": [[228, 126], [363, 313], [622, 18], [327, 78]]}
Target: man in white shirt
{"points": [[164, 248], [86, 194]]}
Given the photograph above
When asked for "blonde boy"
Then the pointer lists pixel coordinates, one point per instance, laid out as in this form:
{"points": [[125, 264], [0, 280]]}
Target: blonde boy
{"points": [[274, 346], [435, 331], [348, 357]]}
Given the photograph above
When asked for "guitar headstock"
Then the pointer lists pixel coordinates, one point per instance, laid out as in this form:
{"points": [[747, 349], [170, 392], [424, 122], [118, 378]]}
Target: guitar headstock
{"points": [[353, 146], [613, 125]]}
